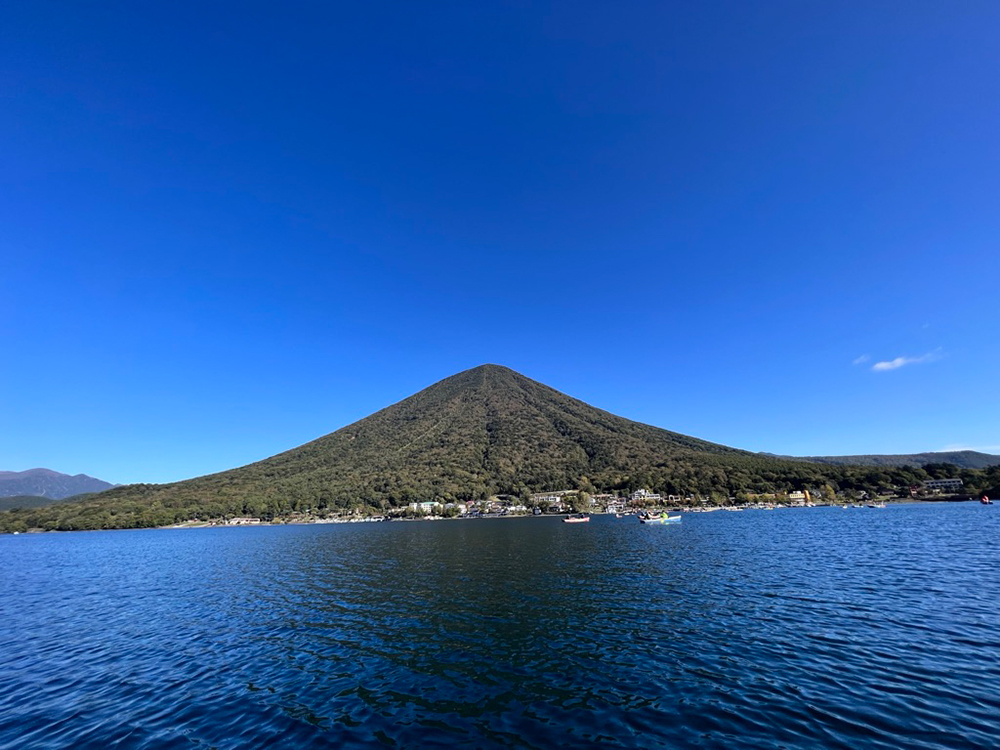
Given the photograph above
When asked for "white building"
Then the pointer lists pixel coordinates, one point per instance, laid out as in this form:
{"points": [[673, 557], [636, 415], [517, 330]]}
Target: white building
{"points": [[645, 495], [943, 484], [425, 507], [547, 499]]}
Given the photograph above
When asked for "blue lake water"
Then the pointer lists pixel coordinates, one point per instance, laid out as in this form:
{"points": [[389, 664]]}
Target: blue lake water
{"points": [[792, 628]]}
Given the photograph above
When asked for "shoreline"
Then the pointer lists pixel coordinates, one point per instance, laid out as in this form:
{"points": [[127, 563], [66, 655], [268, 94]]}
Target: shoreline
{"points": [[372, 519]]}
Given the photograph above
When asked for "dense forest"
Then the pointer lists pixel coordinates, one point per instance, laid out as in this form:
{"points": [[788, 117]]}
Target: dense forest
{"points": [[35, 501], [486, 431]]}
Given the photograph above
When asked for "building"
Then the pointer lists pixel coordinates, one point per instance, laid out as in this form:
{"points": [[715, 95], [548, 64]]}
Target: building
{"points": [[645, 496], [798, 498], [943, 484], [549, 498], [551, 501], [551, 495], [611, 503], [425, 507]]}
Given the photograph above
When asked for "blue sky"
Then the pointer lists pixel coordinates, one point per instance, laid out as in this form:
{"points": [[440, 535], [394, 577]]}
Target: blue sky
{"points": [[231, 228]]}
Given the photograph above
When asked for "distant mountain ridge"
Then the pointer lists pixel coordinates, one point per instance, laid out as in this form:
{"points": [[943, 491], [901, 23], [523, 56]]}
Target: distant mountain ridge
{"points": [[962, 459], [48, 483]]}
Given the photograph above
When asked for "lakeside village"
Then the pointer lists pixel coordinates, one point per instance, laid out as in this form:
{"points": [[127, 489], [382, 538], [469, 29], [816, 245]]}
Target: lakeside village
{"points": [[559, 502]]}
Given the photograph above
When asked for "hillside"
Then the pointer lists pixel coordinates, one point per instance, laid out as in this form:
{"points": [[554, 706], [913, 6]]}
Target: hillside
{"points": [[24, 501], [35, 501], [485, 431], [48, 483], [963, 459]]}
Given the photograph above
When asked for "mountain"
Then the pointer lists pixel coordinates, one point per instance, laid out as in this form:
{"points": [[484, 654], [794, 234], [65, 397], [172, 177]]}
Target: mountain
{"points": [[963, 459], [48, 483], [485, 431]]}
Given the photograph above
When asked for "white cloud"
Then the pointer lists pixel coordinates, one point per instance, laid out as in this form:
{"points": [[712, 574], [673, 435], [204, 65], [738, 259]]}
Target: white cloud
{"points": [[862, 359], [895, 364]]}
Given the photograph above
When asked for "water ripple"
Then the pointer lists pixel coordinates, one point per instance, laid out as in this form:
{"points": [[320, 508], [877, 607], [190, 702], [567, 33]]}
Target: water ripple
{"points": [[800, 628]]}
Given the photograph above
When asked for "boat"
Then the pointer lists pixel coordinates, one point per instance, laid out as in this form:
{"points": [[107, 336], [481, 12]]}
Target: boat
{"points": [[661, 519], [578, 518], [985, 501]]}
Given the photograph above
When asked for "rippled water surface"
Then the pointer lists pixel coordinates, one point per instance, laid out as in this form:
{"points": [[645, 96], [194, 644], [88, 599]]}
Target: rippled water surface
{"points": [[794, 628]]}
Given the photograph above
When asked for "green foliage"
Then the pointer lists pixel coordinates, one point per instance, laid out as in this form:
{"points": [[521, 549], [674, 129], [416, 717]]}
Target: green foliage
{"points": [[961, 459], [484, 432], [580, 502], [24, 501]]}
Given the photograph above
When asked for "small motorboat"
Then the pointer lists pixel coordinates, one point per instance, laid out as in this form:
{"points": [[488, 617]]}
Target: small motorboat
{"points": [[985, 501], [578, 518], [660, 519]]}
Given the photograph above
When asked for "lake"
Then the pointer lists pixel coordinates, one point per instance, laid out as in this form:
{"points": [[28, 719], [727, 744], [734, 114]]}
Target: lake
{"points": [[798, 628]]}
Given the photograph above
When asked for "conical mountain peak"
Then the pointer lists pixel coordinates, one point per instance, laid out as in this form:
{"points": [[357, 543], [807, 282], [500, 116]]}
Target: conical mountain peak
{"points": [[490, 367], [485, 374], [485, 431]]}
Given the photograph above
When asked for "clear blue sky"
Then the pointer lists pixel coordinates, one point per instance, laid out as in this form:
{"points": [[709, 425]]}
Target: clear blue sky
{"points": [[227, 229]]}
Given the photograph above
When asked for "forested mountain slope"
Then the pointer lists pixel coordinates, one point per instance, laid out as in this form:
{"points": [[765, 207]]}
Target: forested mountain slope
{"points": [[963, 459], [485, 431]]}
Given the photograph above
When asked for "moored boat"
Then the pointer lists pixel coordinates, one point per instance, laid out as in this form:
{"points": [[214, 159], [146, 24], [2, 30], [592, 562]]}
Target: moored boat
{"points": [[578, 518]]}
